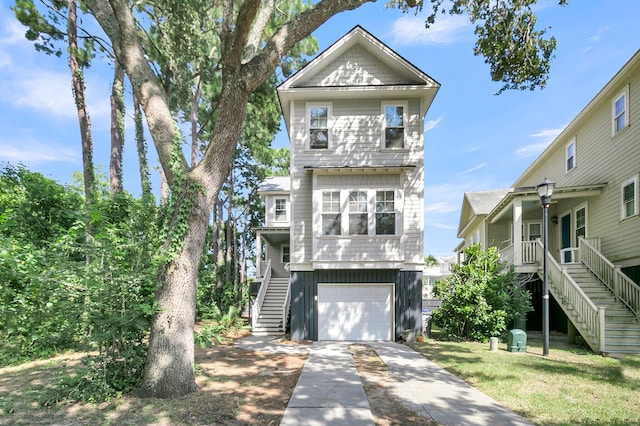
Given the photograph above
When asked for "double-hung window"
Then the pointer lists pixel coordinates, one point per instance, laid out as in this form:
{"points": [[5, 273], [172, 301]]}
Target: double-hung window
{"points": [[331, 216], [629, 206], [394, 125], [281, 210], [358, 213], [318, 119], [571, 155], [620, 111], [286, 254], [385, 213]]}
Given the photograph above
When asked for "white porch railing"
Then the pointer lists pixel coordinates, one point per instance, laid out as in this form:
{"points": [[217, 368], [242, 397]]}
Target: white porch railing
{"points": [[529, 252], [257, 306], [588, 318], [625, 290]]}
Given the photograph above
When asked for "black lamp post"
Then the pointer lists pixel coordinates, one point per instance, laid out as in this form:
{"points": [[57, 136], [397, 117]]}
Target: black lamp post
{"points": [[545, 190]]}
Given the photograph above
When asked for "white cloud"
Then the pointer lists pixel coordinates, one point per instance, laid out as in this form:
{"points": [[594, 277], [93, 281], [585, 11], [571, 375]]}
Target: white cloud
{"points": [[447, 29], [42, 91], [544, 136], [34, 153], [473, 169], [443, 226], [431, 124]]}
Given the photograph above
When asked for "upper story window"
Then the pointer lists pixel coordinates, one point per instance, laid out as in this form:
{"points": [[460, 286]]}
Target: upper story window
{"points": [[394, 125], [331, 217], [281, 210], [570, 155], [629, 199], [318, 120], [358, 213], [385, 213], [620, 111]]}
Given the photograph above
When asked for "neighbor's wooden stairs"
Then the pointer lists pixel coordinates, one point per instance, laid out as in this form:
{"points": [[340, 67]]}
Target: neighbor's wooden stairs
{"points": [[270, 321], [622, 329]]}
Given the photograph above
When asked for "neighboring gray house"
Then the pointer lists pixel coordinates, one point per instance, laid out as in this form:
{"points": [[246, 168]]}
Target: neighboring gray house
{"points": [[352, 240], [594, 226]]}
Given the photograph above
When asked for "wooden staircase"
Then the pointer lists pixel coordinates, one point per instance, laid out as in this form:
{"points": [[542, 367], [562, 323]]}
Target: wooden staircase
{"points": [[622, 329], [270, 320]]}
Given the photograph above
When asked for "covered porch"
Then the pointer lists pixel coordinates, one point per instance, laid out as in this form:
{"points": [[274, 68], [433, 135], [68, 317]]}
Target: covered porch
{"points": [[515, 225]]}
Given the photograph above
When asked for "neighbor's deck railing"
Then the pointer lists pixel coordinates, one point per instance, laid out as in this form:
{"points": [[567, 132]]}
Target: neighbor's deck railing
{"points": [[627, 291], [588, 318], [257, 306]]}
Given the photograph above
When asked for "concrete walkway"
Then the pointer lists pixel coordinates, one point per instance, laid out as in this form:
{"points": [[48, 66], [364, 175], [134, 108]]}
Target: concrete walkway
{"points": [[329, 390]]}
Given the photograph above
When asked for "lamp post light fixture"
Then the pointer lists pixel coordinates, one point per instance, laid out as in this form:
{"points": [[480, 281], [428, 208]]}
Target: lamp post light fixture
{"points": [[545, 190]]}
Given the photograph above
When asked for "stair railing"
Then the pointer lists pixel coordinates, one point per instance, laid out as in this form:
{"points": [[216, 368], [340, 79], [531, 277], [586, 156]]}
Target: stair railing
{"points": [[588, 318], [623, 287], [257, 305]]}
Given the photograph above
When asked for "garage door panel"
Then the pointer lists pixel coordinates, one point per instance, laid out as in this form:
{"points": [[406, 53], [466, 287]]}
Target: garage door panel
{"points": [[361, 312]]}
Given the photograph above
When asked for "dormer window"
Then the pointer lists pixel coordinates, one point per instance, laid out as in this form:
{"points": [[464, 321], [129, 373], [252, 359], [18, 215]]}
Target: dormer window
{"points": [[318, 118], [281, 210], [394, 122]]}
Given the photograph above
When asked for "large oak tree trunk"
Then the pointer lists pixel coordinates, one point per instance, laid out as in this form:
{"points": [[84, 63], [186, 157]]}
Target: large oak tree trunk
{"points": [[170, 370]]}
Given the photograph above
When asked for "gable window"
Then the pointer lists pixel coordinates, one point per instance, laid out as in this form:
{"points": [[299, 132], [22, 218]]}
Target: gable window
{"points": [[281, 210], [619, 111], [385, 213], [318, 119], [571, 155], [629, 200], [286, 254], [394, 121], [331, 217], [358, 215]]}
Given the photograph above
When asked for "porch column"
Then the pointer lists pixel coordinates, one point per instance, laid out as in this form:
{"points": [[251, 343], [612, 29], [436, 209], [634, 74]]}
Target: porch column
{"points": [[258, 254], [517, 232]]}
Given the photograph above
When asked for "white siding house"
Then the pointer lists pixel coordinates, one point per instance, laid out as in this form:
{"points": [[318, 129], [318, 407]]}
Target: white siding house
{"points": [[594, 226], [354, 116]]}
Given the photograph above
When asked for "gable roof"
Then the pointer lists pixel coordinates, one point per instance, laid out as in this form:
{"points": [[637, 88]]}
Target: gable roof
{"points": [[345, 70], [479, 203], [275, 184]]}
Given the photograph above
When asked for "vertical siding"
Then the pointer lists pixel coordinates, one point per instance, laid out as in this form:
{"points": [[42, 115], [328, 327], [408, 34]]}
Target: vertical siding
{"points": [[304, 291]]}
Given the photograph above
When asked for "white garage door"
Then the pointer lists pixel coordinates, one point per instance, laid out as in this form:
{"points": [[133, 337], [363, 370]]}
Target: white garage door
{"points": [[355, 311]]}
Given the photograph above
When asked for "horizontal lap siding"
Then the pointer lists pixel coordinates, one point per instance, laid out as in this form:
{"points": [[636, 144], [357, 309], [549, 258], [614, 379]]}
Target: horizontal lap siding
{"points": [[359, 249], [601, 158], [304, 290]]}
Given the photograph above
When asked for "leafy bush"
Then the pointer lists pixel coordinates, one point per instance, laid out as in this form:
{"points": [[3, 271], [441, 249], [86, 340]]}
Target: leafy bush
{"points": [[217, 331], [480, 298]]}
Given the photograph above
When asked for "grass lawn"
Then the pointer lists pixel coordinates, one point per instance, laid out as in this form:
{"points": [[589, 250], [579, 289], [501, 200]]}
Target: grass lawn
{"points": [[571, 386]]}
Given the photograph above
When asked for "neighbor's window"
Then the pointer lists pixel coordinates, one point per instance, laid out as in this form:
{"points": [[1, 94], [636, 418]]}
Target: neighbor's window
{"points": [[619, 111], [358, 216], [394, 125], [629, 199], [385, 213], [571, 155], [286, 254], [281, 210], [581, 223], [535, 231], [319, 127], [331, 217]]}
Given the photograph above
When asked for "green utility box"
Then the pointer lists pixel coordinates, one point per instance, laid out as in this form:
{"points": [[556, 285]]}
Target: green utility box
{"points": [[517, 341]]}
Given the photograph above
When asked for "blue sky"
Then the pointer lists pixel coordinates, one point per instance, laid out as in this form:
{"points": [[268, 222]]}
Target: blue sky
{"points": [[474, 140]]}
